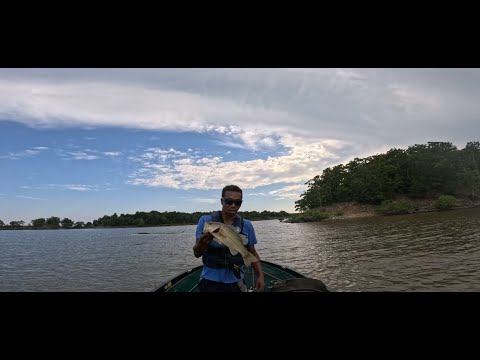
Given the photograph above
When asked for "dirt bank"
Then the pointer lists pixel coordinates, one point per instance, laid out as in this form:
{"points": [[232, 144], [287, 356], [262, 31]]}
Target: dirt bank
{"points": [[354, 210]]}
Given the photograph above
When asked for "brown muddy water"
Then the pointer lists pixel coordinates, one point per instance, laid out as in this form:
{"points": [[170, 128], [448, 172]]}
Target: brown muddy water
{"points": [[438, 251]]}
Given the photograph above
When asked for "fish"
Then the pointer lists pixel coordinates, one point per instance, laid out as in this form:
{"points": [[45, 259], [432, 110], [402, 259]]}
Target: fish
{"points": [[225, 235]]}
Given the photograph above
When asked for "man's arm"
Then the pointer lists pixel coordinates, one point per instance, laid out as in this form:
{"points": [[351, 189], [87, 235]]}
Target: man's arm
{"points": [[257, 267], [201, 244]]}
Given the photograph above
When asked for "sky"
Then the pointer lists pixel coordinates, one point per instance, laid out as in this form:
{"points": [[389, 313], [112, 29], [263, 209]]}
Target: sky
{"points": [[84, 143]]}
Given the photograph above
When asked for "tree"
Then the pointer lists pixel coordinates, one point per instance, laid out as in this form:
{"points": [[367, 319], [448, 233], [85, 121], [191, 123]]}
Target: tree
{"points": [[469, 173], [2, 223], [39, 223], [67, 223], [79, 225], [53, 222]]}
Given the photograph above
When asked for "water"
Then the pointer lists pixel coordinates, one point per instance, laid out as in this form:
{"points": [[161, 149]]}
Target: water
{"points": [[437, 251]]}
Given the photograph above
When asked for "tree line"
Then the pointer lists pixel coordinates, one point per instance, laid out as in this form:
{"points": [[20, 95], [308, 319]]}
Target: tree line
{"points": [[140, 218], [420, 171], [155, 218]]}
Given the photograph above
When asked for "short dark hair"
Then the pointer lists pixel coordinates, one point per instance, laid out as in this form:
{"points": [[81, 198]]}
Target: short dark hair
{"points": [[234, 188]]}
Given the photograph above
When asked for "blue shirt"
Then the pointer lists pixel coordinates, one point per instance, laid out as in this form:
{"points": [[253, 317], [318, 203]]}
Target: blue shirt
{"points": [[224, 275]]}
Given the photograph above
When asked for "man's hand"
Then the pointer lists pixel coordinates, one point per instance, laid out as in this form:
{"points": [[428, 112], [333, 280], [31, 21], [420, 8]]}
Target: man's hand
{"points": [[202, 243], [206, 237], [260, 284]]}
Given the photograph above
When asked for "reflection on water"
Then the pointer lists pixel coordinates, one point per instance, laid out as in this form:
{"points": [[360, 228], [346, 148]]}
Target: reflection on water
{"points": [[423, 252]]}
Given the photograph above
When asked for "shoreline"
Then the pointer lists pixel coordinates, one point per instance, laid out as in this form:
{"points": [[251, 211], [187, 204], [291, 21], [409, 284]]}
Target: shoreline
{"points": [[352, 210]]}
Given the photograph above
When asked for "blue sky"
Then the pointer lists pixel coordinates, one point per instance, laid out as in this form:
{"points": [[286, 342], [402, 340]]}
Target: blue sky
{"points": [[83, 143]]}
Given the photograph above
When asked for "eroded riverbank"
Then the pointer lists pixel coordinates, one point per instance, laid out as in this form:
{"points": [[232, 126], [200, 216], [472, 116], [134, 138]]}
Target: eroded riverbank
{"points": [[355, 210]]}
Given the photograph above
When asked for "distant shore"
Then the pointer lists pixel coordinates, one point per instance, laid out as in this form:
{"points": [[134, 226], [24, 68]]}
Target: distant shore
{"points": [[26, 227]]}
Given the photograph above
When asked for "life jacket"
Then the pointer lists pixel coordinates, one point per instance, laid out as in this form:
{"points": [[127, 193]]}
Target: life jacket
{"points": [[218, 255]]}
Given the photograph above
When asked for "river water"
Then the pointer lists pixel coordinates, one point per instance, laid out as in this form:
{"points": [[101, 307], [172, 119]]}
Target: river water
{"points": [[438, 251]]}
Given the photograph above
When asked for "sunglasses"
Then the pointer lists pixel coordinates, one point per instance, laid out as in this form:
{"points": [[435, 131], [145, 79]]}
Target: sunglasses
{"points": [[231, 201]]}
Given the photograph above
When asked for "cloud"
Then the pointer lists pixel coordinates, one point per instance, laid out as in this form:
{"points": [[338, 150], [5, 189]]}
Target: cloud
{"points": [[28, 153], [29, 197], [45, 104], [75, 187], [81, 156], [258, 106], [203, 200], [288, 192], [85, 154], [301, 162]]}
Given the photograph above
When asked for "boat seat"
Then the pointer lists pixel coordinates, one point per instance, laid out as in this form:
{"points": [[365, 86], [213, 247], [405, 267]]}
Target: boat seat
{"points": [[299, 285]]}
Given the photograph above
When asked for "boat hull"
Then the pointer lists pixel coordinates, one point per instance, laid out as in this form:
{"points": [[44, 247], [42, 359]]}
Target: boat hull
{"points": [[278, 278]]}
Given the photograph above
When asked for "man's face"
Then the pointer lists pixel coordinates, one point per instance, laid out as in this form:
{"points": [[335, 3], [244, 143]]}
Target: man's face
{"points": [[231, 202]]}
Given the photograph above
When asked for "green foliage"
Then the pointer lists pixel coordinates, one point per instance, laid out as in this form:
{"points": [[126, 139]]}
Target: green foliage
{"points": [[309, 216], [17, 224], [421, 171], [79, 225], [444, 202], [67, 223], [53, 222], [155, 218], [140, 218], [389, 207], [39, 223], [2, 223]]}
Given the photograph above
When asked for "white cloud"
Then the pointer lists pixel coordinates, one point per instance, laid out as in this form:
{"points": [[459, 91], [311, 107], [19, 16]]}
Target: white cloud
{"points": [[77, 103], [82, 156], [75, 187], [301, 162], [28, 153], [80, 187], [209, 161], [289, 192], [256, 105], [29, 197], [203, 200], [182, 161]]}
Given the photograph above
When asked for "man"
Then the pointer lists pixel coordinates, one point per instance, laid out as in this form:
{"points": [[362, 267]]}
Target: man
{"points": [[218, 275]]}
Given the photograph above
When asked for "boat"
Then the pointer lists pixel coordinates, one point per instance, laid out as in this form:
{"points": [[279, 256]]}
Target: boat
{"points": [[278, 278]]}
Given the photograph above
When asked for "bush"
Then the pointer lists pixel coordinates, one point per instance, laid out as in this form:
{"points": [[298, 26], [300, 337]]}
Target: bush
{"points": [[314, 215], [309, 216], [389, 207], [445, 202]]}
